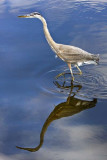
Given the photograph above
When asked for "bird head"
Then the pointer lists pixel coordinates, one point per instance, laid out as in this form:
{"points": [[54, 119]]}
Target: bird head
{"points": [[31, 15]]}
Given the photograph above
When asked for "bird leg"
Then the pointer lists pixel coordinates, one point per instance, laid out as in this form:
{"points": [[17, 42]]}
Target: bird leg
{"points": [[69, 65], [80, 72], [61, 74]]}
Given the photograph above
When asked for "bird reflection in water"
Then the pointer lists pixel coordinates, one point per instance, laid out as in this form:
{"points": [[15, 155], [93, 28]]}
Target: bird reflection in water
{"points": [[72, 106]]}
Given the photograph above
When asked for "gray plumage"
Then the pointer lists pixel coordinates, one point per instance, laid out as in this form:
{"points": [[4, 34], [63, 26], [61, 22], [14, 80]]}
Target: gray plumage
{"points": [[75, 55], [69, 54]]}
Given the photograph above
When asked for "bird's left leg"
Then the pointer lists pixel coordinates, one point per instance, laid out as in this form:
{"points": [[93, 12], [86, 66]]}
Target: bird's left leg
{"points": [[80, 72], [61, 74], [69, 65]]}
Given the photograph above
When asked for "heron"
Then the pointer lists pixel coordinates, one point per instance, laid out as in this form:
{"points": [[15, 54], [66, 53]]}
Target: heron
{"points": [[68, 53]]}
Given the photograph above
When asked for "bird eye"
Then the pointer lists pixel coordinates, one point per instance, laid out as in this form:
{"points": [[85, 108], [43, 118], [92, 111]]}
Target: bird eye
{"points": [[36, 13]]}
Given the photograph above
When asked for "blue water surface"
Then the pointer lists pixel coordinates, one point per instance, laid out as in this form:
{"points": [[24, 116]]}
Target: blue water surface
{"points": [[29, 92]]}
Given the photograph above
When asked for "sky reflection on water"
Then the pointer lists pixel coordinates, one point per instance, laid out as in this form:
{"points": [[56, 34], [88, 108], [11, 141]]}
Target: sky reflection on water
{"points": [[27, 70]]}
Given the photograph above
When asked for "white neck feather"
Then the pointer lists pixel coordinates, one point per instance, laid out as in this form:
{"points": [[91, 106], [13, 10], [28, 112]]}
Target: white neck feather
{"points": [[50, 40]]}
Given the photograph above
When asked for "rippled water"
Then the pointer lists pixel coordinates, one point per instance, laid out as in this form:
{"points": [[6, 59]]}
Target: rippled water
{"points": [[93, 82], [57, 118]]}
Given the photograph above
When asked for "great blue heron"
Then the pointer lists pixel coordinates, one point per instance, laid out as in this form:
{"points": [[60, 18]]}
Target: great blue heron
{"points": [[69, 54]]}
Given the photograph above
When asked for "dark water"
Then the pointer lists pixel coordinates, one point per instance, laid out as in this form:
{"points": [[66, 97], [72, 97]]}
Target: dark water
{"points": [[71, 117]]}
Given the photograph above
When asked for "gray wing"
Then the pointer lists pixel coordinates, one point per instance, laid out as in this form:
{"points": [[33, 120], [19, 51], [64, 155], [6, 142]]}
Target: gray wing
{"points": [[74, 54]]}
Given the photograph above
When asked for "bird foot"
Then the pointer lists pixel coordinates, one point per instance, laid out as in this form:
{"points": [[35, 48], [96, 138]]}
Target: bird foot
{"points": [[59, 75], [80, 73], [63, 74]]}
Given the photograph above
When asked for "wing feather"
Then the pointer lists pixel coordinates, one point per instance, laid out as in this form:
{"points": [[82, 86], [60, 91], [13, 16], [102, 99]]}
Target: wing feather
{"points": [[74, 54]]}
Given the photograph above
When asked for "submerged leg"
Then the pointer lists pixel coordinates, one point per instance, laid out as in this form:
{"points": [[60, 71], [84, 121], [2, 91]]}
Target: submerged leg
{"points": [[80, 72], [60, 74], [69, 65]]}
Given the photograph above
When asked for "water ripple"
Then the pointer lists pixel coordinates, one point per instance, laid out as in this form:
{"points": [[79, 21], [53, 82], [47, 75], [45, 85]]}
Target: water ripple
{"points": [[93, 82]]}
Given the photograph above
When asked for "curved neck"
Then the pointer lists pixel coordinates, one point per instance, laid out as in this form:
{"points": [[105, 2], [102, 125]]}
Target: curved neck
{"points": [[51, 42]]}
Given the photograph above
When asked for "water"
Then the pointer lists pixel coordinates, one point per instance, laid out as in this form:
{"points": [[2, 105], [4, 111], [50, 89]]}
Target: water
{"points": [[70, 117]]}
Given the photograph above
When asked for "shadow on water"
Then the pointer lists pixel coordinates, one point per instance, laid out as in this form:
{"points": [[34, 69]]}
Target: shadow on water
{"points": [[68, 108]]}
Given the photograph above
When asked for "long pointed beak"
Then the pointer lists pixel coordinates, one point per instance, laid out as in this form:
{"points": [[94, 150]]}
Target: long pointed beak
{"points": [[24, 16]]}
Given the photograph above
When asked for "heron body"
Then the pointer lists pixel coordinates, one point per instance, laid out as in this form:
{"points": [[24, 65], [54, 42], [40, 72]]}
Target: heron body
{"points": [[70, 54]]}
